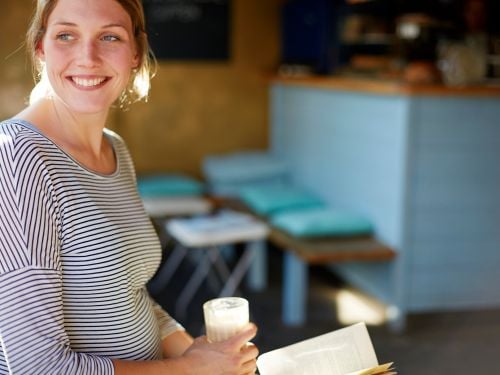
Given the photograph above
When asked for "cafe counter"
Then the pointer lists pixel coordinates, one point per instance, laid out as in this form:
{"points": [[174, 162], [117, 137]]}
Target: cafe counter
{"points": [[421, 162]]}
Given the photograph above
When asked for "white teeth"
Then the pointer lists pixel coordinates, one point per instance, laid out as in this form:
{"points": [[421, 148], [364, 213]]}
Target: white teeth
{"points": [[88, 82]]}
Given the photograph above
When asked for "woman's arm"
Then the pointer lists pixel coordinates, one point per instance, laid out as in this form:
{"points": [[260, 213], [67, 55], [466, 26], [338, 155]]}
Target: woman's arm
{"points": [[176, 344], [175, 340], [230, 357]]}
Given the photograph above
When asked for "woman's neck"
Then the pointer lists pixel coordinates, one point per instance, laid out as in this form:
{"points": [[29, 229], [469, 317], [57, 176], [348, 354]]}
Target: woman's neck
{"points": [[80, 135]]}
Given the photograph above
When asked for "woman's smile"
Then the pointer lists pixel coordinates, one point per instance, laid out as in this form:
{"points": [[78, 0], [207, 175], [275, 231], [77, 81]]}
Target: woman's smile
{"points": [[88, 82]]}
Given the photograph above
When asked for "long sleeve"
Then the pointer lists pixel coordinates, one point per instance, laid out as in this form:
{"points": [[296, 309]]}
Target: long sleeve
{"points": [[31, 327], [166, 323], [32, 334]]}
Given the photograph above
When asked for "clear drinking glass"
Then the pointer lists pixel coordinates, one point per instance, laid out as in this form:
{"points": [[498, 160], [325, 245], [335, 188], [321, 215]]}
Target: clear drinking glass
{"points": [[225, 317]]}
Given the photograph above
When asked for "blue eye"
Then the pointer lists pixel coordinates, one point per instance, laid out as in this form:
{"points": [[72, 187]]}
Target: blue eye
{"points": [[110, 38], [65, 37]]}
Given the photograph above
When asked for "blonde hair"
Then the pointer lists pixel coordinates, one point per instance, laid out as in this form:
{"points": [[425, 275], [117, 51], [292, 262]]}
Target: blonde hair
{"points": [[139, 84]]}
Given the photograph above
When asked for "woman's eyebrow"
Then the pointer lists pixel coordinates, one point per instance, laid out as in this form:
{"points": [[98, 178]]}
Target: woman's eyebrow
{"points": [[64, 23], [107, 26], [114, 25]]}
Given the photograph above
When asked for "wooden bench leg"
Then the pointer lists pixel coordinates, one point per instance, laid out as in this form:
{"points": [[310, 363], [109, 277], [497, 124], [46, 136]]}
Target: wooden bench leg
{"points": [[256, 279], [295, 289]]}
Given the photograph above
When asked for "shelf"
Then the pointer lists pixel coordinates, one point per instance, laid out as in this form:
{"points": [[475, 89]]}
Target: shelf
{"points": [[370, 39], [388, 86]]}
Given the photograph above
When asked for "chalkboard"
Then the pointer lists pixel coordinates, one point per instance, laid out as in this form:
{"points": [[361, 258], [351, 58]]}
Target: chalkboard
{"points": [[188, 29]]}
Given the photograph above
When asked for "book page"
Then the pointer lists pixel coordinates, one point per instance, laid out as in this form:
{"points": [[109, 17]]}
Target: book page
{"points": [[336, 353], [384, 369]]}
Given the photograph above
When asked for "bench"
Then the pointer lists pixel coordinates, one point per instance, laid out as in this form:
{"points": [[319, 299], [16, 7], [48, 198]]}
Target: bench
{"points": [[299, 253]]}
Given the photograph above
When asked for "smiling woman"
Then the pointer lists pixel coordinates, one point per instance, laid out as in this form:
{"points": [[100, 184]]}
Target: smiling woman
{"points": [[87, 59], [139, 84], [76, 246], [91, 53]]}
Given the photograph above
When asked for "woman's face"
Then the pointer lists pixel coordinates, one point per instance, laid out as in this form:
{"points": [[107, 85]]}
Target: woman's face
{"points": [[89, 53]]}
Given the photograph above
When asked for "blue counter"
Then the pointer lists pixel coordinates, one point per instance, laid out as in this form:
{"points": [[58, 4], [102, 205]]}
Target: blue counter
{"points": [[423, 166]]}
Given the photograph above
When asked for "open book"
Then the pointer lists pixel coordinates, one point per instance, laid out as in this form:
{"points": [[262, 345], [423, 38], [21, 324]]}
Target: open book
{"points": [[347, 351]]}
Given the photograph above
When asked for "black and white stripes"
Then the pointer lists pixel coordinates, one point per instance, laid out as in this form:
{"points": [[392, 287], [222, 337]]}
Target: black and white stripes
{"points": [[76, 249]]}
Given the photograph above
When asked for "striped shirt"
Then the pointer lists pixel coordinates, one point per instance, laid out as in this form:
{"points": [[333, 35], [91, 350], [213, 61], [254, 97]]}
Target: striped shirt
{"points": [[76, 250]]}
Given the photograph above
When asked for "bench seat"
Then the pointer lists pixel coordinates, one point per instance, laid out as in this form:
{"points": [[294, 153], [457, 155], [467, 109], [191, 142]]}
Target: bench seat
{"points": [[332, 249]]}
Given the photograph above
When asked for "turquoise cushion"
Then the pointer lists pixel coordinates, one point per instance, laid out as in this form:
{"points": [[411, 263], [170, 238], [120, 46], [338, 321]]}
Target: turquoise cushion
{"points": [[321, 223], [168, 185], [270, 199]]}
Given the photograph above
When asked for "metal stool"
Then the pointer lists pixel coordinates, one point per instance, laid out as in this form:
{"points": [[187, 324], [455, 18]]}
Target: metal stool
{"points": [[208, 234]]}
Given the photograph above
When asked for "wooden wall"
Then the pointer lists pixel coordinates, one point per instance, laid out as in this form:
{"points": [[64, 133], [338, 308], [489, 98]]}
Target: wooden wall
{"points": [[195, 108], [15, 70]]}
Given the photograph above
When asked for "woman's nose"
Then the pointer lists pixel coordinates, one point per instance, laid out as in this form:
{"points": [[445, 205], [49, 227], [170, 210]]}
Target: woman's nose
{"points": [[89, 55]]}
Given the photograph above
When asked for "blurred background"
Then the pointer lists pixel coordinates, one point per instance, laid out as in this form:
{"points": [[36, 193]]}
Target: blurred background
{"points": [[385, 107], [219, 103]]}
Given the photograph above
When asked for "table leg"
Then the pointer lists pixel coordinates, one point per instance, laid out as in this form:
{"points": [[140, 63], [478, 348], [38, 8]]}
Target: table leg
{"points": [[256, 279], [295, 288], [192, 285], [217, 259], [239, 271]]}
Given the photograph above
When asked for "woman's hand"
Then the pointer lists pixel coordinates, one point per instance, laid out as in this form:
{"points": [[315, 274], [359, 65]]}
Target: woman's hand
{"points": [[234, 356]]}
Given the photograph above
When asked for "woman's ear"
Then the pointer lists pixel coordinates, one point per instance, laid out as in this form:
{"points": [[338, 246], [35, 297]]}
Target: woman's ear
{"points": [[136, 60], [40, 53]]}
